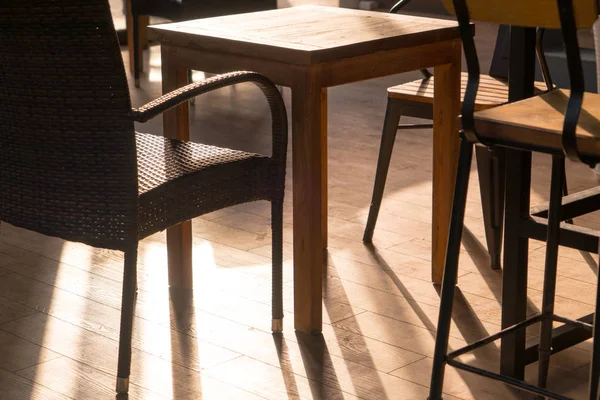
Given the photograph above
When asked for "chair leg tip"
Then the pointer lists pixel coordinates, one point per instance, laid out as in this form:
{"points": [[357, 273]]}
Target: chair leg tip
{"points": [[122, 385], [137, 82], [277, 325], [367, 239]]}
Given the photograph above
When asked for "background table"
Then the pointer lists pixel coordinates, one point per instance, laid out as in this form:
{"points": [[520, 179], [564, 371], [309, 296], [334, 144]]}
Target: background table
{"points": [[310, 49]]}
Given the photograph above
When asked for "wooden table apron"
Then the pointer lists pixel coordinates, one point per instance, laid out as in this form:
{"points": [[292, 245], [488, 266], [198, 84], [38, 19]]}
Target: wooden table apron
{"points": [[309, 85]]}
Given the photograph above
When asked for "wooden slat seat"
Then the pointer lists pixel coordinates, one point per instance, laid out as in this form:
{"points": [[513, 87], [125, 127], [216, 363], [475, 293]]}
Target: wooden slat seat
{"points": [[538, 122], [492, 91]]}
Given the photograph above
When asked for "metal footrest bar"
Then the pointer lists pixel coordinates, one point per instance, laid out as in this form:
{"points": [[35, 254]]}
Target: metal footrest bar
{"points": [[573, 205], [563, 337], [415, 126], [576, 323], [450, 357], [492, 338], [573, 236], [506, 379]]}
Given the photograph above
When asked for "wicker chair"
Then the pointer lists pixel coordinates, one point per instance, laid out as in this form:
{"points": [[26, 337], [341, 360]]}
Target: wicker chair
{"points": [[72, 166]]}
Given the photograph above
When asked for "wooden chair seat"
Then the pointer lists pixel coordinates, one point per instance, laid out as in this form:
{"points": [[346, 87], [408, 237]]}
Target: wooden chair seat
{"points": [[492, 91], [537, 122]]}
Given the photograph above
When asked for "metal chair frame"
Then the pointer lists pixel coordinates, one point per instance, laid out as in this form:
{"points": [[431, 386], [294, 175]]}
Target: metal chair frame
{"points": [[490, 162], [555, 235]]}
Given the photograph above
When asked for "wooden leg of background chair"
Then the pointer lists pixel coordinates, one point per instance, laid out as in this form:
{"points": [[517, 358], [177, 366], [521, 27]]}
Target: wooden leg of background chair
{"points": [[137, 53], [136, 50], [277, 260], [390, 126], [490, 167], [127, 308], [451, 269]]}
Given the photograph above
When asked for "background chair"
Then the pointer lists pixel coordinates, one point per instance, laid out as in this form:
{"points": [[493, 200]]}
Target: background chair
{"points": [[175, 10], [559, 123], [415, 99], [72, 166]]}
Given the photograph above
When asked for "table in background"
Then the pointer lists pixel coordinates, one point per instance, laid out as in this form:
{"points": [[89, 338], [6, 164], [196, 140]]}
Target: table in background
{"points": [[309, 49]]}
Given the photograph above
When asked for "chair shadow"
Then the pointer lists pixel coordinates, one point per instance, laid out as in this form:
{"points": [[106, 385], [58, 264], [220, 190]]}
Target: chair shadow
{"points": [[33, 301], [478, 253], [181, 313], [465, 318], [590, 260], [317, 363]]}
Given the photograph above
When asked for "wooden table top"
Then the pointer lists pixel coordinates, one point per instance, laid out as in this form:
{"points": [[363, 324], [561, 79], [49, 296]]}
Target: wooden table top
{"points": [[308, 34]]}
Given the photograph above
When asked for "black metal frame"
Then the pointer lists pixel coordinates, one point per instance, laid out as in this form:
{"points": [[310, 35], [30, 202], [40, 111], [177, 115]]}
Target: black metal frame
{"points": [[490, 165], [513, 333], [397, 7]]}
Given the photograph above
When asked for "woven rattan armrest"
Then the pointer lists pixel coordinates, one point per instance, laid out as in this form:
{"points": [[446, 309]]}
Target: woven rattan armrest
{"points": [[176, 97]]}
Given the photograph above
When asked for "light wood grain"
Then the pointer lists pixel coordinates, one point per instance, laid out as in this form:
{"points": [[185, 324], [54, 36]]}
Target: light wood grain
{"points": [[446, 107], [176, 125], [310, 49], [307, 35], [538, 121], [15, 387], [309, 139], [492, 91], [533, 13]]}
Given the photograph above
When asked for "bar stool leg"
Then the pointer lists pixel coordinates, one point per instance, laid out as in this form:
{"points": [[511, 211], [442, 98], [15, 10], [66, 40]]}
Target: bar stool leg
{"points": [[552, 238], [595, 368], [490, 168], [388, 136], [451, 269]]}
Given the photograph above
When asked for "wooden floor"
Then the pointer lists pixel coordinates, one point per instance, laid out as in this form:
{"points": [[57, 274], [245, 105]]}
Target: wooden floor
{"points": [[60, 301]]}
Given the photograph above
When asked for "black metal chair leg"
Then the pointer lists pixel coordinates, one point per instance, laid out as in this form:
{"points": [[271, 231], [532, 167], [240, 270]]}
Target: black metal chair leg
{"points": [[388, 136], [277, 260], [127, 307], [490, 168], [136, 50], [565, 192], [594, 390], [552, 238], [451, 269]]}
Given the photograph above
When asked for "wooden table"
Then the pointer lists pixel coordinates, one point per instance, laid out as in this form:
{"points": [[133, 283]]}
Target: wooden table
{"points": [[309, 49]]}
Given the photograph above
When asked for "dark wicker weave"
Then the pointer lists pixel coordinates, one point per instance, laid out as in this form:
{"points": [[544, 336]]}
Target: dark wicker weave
{"points": [[71, 164]]}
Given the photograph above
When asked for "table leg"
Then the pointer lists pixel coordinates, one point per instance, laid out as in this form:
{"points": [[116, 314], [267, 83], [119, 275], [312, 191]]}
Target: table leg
{"points": [[176, 125], [309, 147], [446, 108]]}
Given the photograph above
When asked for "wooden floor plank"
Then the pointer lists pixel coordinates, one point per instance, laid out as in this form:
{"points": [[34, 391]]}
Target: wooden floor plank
{"points": [[60, 301], [151, 372], [15, 387], [80, 381], [17, 354]]}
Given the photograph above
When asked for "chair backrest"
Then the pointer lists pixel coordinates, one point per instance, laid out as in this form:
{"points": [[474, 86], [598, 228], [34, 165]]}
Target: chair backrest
{"points": [[528, 13], [67, 145], [568, 15]]}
